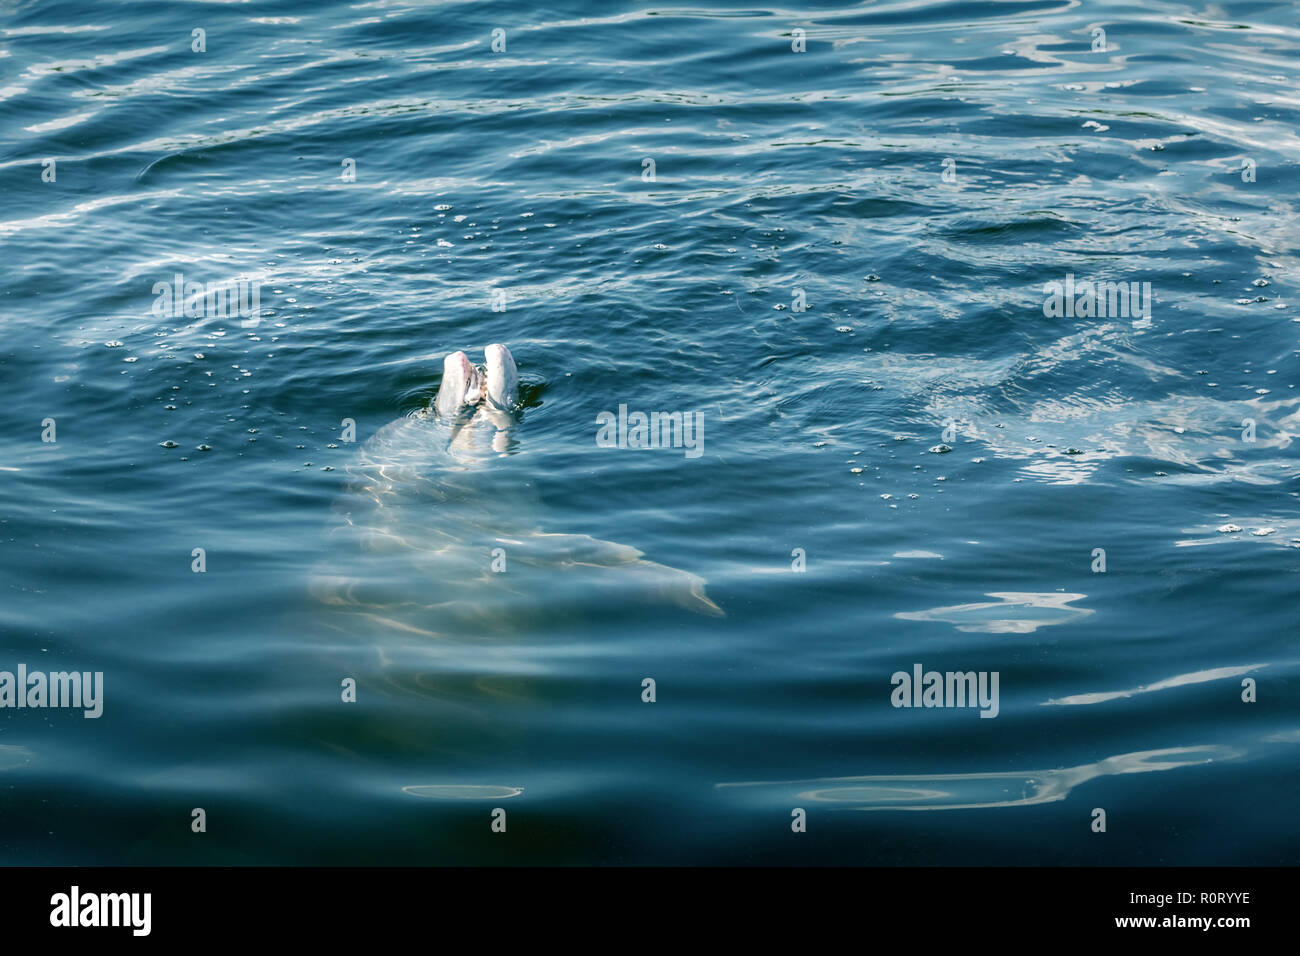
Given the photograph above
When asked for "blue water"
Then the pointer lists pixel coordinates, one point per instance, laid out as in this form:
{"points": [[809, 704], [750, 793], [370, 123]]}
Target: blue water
{"points": [[914, 178]]}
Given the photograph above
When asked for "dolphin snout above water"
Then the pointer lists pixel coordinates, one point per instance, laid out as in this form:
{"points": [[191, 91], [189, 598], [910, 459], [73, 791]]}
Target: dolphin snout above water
{"points": [[502, 377], [464, 385]]}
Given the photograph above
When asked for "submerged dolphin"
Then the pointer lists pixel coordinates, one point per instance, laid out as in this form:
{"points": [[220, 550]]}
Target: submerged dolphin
{"points": [[441, 538]]}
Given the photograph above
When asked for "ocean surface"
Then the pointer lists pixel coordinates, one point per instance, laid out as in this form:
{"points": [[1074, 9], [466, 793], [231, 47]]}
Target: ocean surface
{"points": [[826, 236]]}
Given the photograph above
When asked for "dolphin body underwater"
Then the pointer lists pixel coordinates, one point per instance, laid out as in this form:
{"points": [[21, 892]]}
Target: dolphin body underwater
{"points": [[439, 543]]}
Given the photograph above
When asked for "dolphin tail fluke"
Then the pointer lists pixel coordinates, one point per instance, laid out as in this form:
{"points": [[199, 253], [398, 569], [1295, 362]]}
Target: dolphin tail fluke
{"points": [[682, 588], [630, 570]]}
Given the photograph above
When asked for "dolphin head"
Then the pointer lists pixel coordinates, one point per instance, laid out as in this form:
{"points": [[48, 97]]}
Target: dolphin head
{"points": [[462, 386], [502, 386]]}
